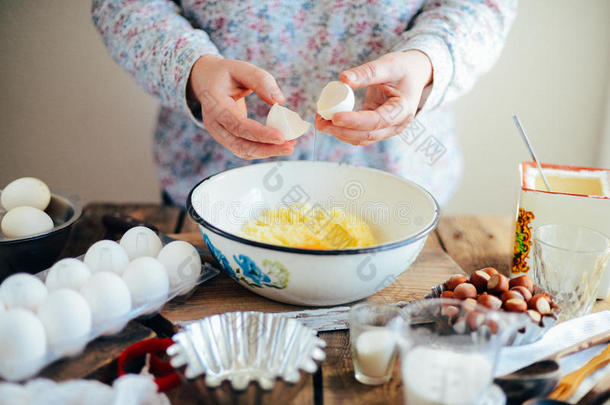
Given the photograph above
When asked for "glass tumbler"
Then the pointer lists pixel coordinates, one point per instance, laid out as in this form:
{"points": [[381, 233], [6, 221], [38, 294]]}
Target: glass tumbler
{"points": [[569, 262], [449, 350], [373, 341]]}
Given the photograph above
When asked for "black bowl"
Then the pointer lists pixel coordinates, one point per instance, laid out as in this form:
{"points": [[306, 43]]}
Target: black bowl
{"points": [[39, 252]]}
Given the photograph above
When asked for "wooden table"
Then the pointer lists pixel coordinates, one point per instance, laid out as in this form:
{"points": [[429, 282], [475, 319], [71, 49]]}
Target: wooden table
{"points": [[459, 244]]}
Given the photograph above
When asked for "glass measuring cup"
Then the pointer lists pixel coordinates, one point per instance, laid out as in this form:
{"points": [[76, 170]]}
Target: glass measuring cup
{"points": [[569, 263], [449, 350]]}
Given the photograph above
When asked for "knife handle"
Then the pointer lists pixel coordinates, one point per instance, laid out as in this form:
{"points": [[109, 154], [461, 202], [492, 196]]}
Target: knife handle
{"points": [[120, 223]]}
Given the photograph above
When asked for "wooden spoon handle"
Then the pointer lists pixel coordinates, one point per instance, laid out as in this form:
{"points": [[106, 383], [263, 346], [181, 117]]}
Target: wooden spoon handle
{"points": [[569, 384], [593, 341]]}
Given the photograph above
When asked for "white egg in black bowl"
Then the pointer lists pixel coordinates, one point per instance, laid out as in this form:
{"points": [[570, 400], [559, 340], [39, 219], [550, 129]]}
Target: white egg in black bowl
{"points": [[40, 250], [399, 213]]}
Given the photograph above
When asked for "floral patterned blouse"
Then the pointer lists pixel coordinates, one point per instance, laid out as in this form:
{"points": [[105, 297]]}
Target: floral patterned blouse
{"points": [[304, 44]]}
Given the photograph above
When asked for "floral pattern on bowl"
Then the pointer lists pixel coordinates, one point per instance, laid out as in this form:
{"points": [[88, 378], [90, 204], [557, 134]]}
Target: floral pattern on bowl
{"points": [[274, 275]]}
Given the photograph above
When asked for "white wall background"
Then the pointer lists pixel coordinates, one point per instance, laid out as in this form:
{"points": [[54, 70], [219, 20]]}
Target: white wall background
{"points": [[70, 116]]}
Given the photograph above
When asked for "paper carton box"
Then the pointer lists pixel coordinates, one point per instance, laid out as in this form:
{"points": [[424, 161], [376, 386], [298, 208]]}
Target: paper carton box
{"points": [[580, 196]]}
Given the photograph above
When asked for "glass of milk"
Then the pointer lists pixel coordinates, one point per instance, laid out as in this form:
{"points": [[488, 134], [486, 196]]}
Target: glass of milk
{"points": [[449, 349], [569, 262], [373, 340]]}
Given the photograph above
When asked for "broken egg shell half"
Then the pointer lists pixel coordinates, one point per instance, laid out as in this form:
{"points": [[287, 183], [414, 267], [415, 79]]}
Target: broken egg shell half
{"points": [[335, 97], [288, 122]]}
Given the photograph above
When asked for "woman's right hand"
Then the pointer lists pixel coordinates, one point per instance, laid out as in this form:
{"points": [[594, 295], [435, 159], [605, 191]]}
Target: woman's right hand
{"points": [[220, 86]]}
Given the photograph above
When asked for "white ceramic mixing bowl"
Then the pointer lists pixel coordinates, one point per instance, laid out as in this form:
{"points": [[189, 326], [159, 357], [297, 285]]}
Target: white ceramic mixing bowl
{"points": [[400, 213]]}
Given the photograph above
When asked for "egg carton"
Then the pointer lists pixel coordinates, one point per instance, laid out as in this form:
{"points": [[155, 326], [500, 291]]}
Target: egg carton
{"points": [[530, 333], [73, 347]]}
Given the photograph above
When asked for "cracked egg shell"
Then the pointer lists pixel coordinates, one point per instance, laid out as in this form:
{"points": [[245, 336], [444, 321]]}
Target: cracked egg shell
{"points": [[335, 97], [288, 122]]}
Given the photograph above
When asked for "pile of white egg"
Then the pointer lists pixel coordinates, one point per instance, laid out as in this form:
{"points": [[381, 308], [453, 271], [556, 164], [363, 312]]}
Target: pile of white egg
{"points": [[25, 200], [79, 300]]}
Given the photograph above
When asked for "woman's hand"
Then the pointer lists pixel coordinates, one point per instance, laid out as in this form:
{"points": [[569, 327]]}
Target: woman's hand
{"points": [[395, 83], [220, 86]]}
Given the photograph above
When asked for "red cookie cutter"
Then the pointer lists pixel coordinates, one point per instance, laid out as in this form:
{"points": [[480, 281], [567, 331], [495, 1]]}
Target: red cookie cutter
{"points": [[166, 376]]}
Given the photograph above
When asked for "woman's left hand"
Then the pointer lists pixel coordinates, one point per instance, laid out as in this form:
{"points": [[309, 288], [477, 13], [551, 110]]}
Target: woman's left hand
{"points": [[395, 83]]}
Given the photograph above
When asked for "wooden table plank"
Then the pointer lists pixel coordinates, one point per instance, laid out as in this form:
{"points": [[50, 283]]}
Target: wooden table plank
{"points": [[475, 242]]}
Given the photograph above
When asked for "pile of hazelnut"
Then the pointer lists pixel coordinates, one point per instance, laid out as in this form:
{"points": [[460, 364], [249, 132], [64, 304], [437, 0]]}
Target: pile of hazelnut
{"points": [[495, 291]]}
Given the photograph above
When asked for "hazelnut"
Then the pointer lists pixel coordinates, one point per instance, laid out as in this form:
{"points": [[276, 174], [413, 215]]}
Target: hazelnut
{"points": [[490, 301], [447, 294], [465, 290], [469, 304], [475, 319], [492, 325], [540, 303], [550, 300], [479, 279], [523, 281], [497, 284], [515, 305], [534, 316], [523, 291], [490, 271], [456, 280], [450, 311], [507, 295]]}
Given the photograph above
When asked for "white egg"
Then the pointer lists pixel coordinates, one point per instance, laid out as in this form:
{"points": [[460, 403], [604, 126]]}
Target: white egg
{"points": [[22, 290], [109, 300], [26, 191], [21, 222], [141, 241], [23, 344], [148, 283], [335, 97], [66, 318], [288, 122], [12, 393], [106, 255], [67, 273], [183, 265]]}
